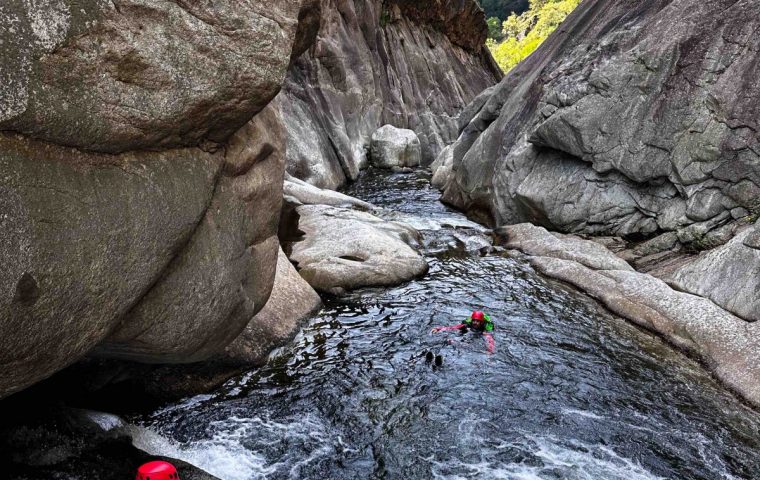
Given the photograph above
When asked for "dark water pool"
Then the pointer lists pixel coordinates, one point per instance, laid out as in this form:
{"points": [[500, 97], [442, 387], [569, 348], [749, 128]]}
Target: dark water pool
{"points": [[572, 392]]}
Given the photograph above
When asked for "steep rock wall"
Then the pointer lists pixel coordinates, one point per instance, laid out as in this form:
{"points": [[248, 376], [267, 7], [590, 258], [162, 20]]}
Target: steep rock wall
{"points": [[633, 119], [636, 119], [139, 203], [410, 64]]}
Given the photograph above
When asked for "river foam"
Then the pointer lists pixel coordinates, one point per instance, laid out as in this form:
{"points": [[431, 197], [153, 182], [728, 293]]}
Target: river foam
{"points": [[239, 448], [548, 458]]}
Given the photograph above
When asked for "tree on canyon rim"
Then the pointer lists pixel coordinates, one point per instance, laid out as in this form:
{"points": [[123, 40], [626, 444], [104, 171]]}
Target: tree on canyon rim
{"points": [[522, 34]]}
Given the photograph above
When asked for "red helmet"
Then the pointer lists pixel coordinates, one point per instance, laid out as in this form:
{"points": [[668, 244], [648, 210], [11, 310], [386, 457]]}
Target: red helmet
{"points": [[478, 316], [157, 471]]}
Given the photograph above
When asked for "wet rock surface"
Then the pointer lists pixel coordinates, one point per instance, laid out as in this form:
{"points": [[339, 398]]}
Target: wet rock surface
{"points": [[585, 393], [635, 120], [65, 443], [408, 64], [344, 249]]}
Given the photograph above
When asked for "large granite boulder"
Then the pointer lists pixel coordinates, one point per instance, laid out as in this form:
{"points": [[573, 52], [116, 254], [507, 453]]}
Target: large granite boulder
{"points": [[133, 74], [225, 273], [410, 64], [139, 203], [82, 239], [634, 119], [393, 147], [343, 249]]}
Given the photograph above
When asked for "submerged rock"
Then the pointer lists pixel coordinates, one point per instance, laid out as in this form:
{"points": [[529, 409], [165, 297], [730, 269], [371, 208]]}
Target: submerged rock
{"points": [[344, 249], [393, 147]]}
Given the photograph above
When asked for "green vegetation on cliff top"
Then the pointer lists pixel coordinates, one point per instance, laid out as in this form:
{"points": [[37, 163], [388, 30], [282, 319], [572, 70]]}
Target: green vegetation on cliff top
{"points": [[522, 34]]}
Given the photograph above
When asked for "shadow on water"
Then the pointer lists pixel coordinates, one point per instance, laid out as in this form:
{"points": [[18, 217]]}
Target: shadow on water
{"points": [[572, 392]]}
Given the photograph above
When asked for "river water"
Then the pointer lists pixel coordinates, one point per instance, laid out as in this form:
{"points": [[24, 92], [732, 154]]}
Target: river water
{"points": [[572, 391]]}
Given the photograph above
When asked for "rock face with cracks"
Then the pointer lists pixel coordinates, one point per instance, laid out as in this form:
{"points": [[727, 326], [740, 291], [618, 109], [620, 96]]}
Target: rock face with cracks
{"points": [[139, 201], [639, 120], [728, 275], [343, 249], [413, 65], [634, 119]]}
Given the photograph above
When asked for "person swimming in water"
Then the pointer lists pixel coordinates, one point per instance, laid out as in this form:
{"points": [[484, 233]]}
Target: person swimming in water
{"points": [[478, 322]]}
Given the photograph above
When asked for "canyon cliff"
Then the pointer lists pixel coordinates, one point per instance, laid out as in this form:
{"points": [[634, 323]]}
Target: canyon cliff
{"points": [[142, 159], [410, 64]]}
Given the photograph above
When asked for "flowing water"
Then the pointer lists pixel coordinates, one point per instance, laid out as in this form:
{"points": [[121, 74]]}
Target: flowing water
{"points": [[572, 392]]}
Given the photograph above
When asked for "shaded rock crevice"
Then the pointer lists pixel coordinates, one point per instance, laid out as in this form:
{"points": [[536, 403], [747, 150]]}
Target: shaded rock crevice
{"points": [[235, 242]]}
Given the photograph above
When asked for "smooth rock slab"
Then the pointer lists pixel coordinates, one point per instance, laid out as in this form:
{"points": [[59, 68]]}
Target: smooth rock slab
{"points": [[395, 147], [534, 240], [346, 249], [307, 194], [727, 344]]}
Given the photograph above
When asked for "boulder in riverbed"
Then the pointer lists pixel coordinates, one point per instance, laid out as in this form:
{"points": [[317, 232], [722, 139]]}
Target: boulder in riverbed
{"points": [[395, 147], [343, 249]]}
